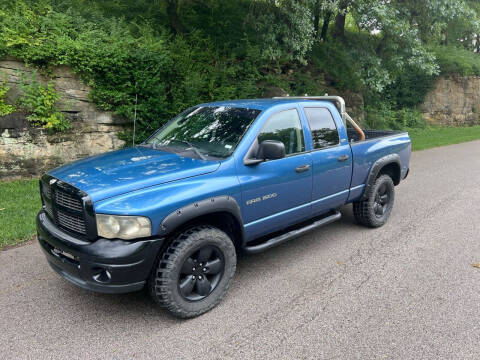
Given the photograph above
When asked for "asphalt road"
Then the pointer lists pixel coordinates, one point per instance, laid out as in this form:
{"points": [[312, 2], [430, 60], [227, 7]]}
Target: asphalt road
{"points": [[408, 290]]}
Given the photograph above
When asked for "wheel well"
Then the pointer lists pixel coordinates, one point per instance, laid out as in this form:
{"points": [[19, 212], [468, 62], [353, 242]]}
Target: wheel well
{"points": [[222, 220], [392, 170]]}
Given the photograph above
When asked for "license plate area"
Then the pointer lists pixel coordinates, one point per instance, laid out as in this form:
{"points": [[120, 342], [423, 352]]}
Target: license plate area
{"points": [[64, 255]]}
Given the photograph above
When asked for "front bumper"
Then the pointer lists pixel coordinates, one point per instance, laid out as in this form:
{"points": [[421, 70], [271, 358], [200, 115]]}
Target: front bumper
{"points": [[108, 266]]}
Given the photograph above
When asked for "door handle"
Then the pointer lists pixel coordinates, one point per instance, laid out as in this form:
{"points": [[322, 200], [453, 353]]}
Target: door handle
{"points": [[302, 168], [343, 158]]}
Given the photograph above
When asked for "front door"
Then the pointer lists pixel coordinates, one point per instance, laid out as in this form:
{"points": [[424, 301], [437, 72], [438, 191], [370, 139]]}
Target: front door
{"points": [[277, 193]]}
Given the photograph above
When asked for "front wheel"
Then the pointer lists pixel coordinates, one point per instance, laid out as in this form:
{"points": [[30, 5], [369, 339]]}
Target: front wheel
{"points": [[194, 273], [375, 210]]}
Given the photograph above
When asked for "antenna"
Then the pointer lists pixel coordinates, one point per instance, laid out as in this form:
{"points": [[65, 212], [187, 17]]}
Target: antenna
{"points": [[135, 116]]}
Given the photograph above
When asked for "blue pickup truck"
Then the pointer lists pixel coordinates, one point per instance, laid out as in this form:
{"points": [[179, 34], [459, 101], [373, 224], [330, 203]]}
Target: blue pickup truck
{"points": [[171, 214]]}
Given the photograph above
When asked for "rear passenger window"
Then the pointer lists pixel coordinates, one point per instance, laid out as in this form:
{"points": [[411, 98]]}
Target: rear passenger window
{"points": [[284, 126], [323, 128]]}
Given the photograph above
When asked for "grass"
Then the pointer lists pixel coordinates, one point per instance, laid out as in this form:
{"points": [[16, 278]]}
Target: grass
{"points": [[19, 204], [439, 136], [20, 200]]}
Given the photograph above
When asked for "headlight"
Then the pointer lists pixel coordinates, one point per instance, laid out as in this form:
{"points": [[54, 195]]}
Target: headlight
{"points": [[123, 227]]}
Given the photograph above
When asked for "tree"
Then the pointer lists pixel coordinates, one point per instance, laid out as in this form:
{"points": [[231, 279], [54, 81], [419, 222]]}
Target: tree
{"points": [[324, 9], [339, 27], [441, 20], [284, 29]]}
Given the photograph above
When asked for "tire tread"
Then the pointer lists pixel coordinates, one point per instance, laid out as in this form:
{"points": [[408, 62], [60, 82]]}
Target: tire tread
{"points": [[363, 210], [160, 284]]}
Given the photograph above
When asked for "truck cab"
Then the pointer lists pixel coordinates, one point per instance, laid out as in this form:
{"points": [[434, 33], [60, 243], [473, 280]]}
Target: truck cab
{"points": [[220, 178]]}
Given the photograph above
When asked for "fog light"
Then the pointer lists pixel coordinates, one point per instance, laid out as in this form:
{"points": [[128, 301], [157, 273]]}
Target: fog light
{"points": [[103, 276]]}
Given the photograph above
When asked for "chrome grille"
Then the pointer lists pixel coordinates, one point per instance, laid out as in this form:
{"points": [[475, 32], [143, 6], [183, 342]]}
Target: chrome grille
{"points": [[73, 223], [68, 201]]}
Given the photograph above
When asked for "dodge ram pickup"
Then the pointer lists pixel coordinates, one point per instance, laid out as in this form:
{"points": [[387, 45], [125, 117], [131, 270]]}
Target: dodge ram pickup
{"points": [[171, 214]]}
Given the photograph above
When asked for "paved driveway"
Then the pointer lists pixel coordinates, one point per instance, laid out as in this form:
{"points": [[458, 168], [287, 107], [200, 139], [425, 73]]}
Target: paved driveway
{"points": [[407, 290]]}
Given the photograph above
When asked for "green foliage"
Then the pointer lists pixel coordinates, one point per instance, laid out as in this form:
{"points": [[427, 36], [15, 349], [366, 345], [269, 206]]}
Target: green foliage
{"points": [[167, 74], [455, 60], [383, 116], [172, 54], [40, 101], [409, 88], [333, 58], [399, 45], [5, 109], [284, 29]]}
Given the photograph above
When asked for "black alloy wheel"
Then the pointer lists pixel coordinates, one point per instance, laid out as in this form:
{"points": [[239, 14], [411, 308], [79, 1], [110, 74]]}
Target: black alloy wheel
{"points": [[381, 201], [377, 205], [200, 273]]}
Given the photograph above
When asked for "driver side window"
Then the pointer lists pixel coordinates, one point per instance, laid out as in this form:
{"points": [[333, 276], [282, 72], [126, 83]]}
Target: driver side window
{"points": [[284, 126]]}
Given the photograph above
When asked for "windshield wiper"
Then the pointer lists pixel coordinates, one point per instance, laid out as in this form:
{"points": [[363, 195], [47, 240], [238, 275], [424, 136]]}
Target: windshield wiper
{"points": [[192, 147]]}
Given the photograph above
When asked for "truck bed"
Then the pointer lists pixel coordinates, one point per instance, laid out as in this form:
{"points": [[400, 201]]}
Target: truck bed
{"points": [[372, 134], [377, 144]]}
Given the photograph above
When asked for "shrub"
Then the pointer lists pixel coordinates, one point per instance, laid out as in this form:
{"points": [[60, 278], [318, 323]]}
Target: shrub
{"points": [[383, 116], [410, 88], [334, 59], [40, 101], [5, 109], [455, 60]]}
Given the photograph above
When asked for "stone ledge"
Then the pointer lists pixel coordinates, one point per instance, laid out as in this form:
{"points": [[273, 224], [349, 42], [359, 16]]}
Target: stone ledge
{"points": [[28, 151], [454, 101], [74, 101]]}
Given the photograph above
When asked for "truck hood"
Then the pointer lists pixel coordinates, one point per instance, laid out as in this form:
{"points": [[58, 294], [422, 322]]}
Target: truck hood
{"points": [[114, 173]]}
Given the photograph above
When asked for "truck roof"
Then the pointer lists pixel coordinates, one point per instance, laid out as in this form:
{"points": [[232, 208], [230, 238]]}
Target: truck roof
{"points": [[261, 104]]}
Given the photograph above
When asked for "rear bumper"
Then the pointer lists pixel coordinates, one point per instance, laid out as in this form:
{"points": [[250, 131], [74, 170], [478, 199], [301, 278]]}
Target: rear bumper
{"points": [[108, 266]]}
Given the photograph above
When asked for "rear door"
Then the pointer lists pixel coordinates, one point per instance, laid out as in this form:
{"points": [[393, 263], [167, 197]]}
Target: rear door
{"points": [[331, 157], [277, 193]]}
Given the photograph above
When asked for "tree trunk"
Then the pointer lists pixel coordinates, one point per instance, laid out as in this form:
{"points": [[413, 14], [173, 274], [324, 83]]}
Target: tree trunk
{"points": [[326, 22], [316, 18], [339, 27], [175, 23], [381, 45]]}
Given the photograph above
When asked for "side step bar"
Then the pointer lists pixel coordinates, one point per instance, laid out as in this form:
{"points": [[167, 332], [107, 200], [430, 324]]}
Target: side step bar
{"points": [[292, 234]]}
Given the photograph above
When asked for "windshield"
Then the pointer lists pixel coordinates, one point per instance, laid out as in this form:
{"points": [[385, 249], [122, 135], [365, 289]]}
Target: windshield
{"points": [[205, 130]]}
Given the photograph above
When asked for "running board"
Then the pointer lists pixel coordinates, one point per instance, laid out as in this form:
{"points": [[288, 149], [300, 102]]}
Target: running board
{"points": [[292, 234]]}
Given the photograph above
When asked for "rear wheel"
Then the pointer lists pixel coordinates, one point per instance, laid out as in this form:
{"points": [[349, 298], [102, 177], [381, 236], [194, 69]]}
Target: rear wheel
{"points": [[194, 273], [375, 210]]}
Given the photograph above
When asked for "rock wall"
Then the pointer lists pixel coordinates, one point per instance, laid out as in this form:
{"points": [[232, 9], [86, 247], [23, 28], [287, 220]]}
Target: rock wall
{"points": [[26, 151], [454, 101]]}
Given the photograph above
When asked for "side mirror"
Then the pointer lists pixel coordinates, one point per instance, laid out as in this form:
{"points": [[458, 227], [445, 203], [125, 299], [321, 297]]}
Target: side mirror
{"points": [[271, 150]]}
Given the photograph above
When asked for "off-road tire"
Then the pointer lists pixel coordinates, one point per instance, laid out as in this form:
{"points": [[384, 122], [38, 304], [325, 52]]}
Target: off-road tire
{"points": [[364, 211], [164, 279]]}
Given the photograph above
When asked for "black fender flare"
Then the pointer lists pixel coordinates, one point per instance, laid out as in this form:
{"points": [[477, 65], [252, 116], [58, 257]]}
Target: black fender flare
{"points": [[375, 169], [177, 218]]}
